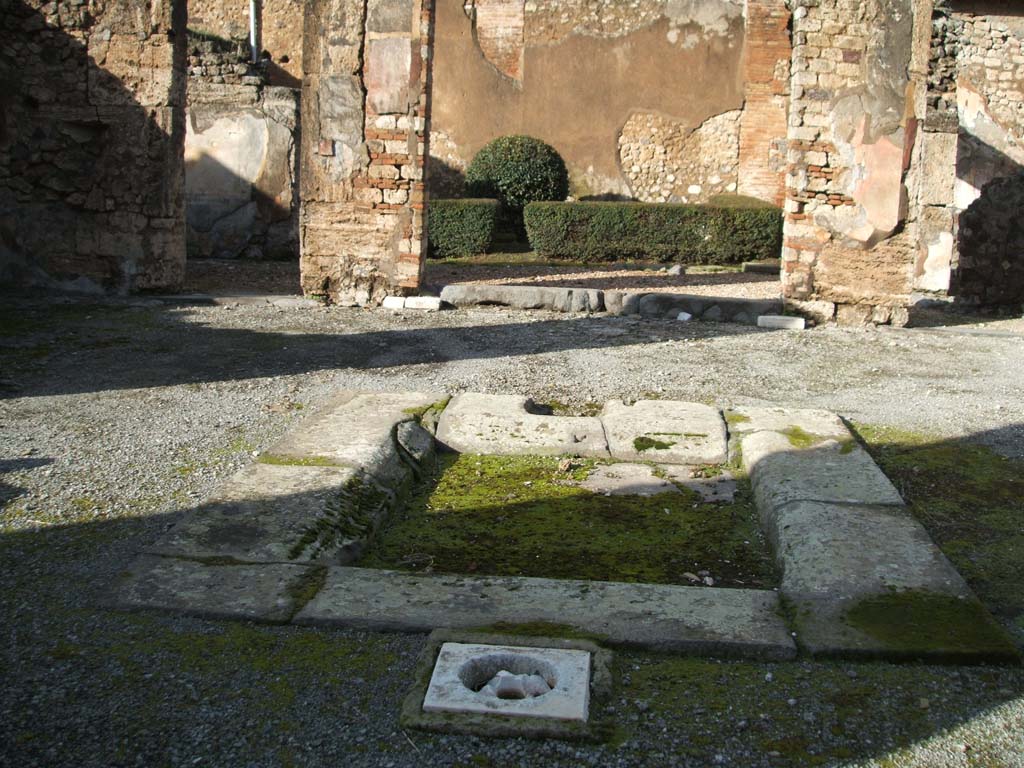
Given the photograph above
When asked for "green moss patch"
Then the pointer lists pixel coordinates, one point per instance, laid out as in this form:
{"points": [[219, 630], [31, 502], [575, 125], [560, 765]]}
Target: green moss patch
{"points": [[926, 622], [522, 516], [647, 443], [297, 461], [352, 514]]}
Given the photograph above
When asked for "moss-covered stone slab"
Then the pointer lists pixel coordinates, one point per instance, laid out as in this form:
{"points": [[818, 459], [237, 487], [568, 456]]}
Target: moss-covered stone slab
{"points": [[665, 431], [502, 425], [268, 592], [356, 430], [726, 622], [833, 472], [279, 513], [840, 562]]}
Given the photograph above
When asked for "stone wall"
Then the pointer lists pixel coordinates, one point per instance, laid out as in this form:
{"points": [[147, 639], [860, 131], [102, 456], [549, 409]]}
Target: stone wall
{"points": [[91, 134], [987, 264], [364, 140], [241, 156], [653, 99]]}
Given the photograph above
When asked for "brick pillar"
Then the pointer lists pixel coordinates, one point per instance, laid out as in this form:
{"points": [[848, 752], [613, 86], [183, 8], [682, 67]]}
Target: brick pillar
{"points": [[767, 53], [365, 108], [850, 240]]}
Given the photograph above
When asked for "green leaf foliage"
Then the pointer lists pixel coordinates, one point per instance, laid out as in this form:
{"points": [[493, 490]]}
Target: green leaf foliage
{"points": [[461, 227], [518, 170], [686, 234]]}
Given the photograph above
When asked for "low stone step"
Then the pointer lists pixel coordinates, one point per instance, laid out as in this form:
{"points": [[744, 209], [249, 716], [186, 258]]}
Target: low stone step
{"points": [[269, 592], [654, 616]]}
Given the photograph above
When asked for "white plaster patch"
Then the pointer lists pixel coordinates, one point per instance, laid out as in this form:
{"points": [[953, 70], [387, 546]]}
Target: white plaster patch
{"points": [[510, 680]]}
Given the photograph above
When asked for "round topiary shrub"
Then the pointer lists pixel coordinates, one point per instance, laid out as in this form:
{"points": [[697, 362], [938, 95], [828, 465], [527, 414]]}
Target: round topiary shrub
{"points": [[518, 170]]}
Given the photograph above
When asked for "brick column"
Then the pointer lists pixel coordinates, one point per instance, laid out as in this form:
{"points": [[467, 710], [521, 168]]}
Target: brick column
{"points": [[767, 53], [850, 239]]}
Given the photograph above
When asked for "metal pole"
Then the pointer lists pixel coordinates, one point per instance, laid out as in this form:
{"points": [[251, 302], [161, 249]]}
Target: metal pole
{"points": [[254, 54]]}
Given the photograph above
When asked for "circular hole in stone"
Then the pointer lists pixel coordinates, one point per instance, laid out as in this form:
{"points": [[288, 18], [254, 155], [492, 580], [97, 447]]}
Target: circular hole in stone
{"points": [[508, 676]]}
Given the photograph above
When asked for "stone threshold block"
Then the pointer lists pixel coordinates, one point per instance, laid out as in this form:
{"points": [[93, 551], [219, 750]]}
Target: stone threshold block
{"points": [[502, 425], [265, 592], [665, 431], [356, 430], [868, 581], [725, 622]]}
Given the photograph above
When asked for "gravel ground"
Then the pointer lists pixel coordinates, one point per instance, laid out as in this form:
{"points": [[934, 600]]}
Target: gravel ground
{"points": [[115, 419]]}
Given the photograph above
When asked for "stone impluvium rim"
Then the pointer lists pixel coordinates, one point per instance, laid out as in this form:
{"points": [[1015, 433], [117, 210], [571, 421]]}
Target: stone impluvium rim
{"points": [[838, 528]]}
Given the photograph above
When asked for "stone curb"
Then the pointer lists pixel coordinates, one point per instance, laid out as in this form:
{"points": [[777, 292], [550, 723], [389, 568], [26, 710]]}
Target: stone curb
{"points": [[655, 305], [844, 540], [730, 622]]}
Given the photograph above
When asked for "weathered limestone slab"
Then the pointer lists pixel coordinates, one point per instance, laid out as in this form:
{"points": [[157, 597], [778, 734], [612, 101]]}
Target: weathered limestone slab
{"points": [[665, 431], [835, 556], [264, 592], [832, 472], [356, 430], [626, 480], [664, 617], [502, 425], [816, 423], [781, 322], [263, 514]]}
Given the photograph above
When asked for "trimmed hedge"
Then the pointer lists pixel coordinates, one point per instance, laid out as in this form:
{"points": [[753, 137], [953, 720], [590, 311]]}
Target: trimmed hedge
{"points": [[460, 227], [518, 170], [688, 234]]}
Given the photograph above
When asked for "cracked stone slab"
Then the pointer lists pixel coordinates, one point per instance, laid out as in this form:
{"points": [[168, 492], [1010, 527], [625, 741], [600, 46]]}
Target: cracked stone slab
{"points": [[837, 473], [263, 592], [834, 556], [273, 513], [261, 515], [818, 423], [357, 430], [626, 480], [719, 489], [655, 616], [502, 425], [676, 432]]}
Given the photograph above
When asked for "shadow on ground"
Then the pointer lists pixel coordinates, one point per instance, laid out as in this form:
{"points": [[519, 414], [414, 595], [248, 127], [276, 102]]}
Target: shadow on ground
{"points": [[129, 347]]}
